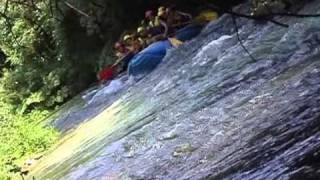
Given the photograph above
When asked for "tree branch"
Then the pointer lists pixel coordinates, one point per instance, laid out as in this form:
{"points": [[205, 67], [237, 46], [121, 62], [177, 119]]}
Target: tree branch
{"points": [[6, 7], [50, 4], [239, 39], [75, 9], [295, 15]]}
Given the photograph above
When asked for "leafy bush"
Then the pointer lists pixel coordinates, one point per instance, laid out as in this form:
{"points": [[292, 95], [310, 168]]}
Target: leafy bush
{"points": [[21, 136], [32, 85]]}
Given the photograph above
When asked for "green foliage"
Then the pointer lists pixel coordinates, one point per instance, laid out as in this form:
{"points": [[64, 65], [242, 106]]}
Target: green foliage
{"points": [[21, 136], [32, 85], [37, 73]]}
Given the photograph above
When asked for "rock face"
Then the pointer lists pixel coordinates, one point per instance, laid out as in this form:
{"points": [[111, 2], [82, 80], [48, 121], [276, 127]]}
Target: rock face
{"points": [[211, 111]]}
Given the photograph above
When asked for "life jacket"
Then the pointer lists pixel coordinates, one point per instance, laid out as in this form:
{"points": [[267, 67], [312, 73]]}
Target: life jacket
{"points": [[125, 61], [137, 45], [153, 31]]}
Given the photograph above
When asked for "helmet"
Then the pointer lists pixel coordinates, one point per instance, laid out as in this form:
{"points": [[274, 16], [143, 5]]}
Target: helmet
{"points": [[161, 8], [148, 14], [126, 37], [140, 29], [161, 11]]}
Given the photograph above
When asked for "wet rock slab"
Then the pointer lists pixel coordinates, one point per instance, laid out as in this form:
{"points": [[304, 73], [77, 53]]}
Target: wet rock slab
{"points": [[215, 113]]}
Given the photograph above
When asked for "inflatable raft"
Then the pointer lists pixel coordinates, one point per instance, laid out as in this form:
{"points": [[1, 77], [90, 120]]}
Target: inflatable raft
{"points": [[148, 59]]}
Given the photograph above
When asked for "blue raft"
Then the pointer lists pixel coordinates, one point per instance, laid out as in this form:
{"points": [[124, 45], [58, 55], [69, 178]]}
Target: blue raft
{"points": [[188, 32], [148, 59]]}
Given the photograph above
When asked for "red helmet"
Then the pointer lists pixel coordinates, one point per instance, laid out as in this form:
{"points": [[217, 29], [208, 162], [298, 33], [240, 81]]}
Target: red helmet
{"points": [[148, 14]]}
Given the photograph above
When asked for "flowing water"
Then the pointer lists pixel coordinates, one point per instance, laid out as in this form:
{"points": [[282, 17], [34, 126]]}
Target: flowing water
{"points": [[209, 111]]}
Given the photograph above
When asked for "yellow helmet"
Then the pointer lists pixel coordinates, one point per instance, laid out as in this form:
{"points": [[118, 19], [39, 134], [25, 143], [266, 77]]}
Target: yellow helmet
{"points": [[161, 8], [126, 37], [161, 13], [140, 29]]}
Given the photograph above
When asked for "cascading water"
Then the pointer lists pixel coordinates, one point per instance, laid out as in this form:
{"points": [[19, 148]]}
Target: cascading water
{"points": [[208, 111]]}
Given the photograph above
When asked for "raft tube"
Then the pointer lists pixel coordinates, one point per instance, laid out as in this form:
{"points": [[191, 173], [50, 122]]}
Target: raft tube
{"points": [[188, 32], [148, 59]]}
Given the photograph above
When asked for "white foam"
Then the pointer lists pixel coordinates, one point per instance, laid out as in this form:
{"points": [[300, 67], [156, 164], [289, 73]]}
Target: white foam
{"points": [[113, 87], [210, 51]]}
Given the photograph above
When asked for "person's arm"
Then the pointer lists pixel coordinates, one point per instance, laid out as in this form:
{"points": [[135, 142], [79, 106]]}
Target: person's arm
{"points": [[161, 36], [166, 28], [185, 14], [119, 54]]}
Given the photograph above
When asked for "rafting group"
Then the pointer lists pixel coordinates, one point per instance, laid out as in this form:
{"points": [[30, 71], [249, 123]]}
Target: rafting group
{"points": [[141, 51]]}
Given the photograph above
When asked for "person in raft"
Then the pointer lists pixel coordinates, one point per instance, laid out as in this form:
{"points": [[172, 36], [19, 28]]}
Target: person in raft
{"points": [[177, 19], [157, 27]]}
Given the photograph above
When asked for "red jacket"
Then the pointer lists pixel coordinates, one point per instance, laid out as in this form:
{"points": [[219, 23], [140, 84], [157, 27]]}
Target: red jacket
{"points": [[105, 74]]}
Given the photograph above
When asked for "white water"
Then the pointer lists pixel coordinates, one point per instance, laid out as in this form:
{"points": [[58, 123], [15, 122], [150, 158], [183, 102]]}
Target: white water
{"points": [[113, 87]]}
